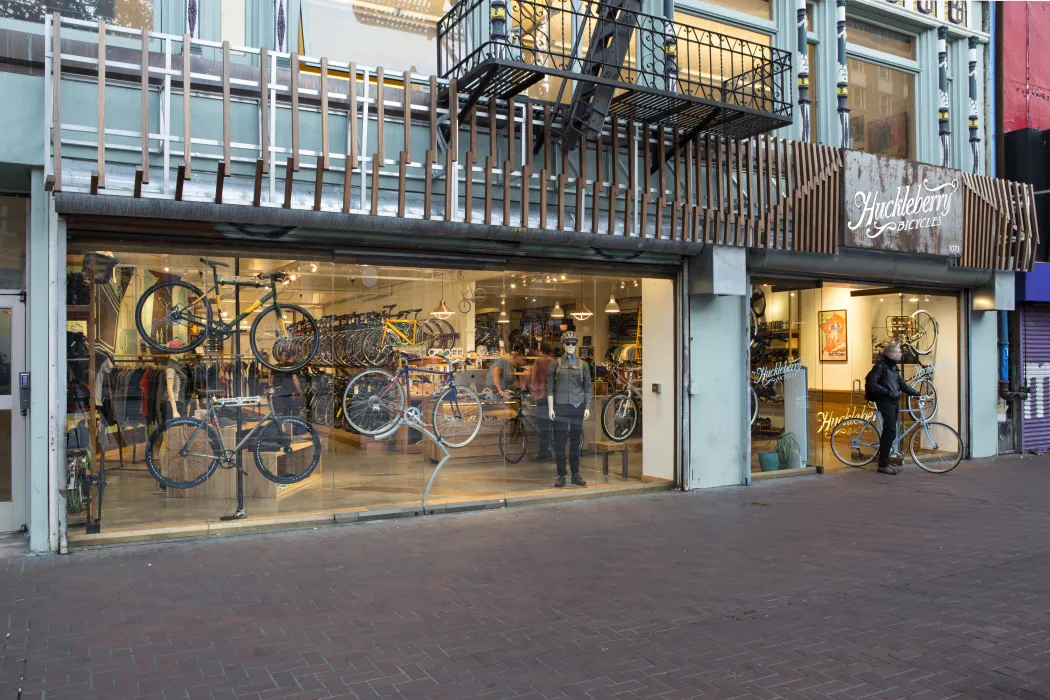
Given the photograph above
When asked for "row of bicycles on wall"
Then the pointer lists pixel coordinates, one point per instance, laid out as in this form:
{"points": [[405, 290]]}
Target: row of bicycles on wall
{"points": [[174, 316]]}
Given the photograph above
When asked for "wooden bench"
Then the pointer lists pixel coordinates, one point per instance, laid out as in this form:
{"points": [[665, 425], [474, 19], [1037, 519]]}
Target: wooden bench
{"points": [[608, 448]]}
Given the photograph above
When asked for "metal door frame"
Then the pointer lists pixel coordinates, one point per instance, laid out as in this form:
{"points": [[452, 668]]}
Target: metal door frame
{"points": [[13, 512]]}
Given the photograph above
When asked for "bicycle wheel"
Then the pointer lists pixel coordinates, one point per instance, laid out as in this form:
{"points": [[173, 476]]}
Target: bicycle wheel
{"points": [[457, 416], [925, 388], [464, 306], [183, 452], [173, 317], [936, 447], [855, 442], [274, 345], [287, 451], [428, 334], [448, 334], [513, 439], [373, 402], [925, 336], [619, 417]]}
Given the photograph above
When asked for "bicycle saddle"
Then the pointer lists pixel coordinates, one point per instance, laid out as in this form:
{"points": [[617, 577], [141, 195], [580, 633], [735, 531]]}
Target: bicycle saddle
{"points": [[389, 306], [213, 263], [412, 311], [275, 276]]}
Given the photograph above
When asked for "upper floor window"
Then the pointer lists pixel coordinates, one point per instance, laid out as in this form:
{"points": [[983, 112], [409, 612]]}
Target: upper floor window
{"points": [[123, 13], [872, 36], [886, 125], [755, 8], [396, 35]]}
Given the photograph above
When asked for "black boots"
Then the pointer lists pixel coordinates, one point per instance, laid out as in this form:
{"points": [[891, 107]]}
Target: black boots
{"points": [[577, 480]]}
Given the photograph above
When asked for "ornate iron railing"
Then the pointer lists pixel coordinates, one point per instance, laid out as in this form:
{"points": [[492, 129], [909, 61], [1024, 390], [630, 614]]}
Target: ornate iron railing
{"points": [[660, 68]]}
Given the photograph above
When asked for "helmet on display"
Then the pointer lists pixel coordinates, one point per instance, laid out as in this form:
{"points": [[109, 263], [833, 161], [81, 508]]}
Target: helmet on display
{"points": [[568, 336]]}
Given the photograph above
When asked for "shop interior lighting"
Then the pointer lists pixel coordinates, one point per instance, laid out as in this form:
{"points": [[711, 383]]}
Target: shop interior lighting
{"points": [[503, 317], [513, 286], [442, 311], [293, 277], [584, 313], [557, 311], [612, 307], [636, 283], [166, 270], [914, 299], [927, 297], [313, 267]]}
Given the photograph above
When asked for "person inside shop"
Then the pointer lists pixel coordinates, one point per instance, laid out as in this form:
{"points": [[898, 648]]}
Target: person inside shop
{"points": [[501, 378], [287, 389], [884, 385], [568, 405], [538, 392]]}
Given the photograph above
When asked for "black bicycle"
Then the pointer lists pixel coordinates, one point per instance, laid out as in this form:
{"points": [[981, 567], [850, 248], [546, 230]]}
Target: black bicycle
{"points": [[176, 317], [183, 452], [514, 435]]}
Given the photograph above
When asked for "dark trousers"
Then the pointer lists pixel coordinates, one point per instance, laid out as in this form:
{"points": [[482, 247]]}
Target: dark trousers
{"points": [[889, 409], [568, 425], [543, 425]]}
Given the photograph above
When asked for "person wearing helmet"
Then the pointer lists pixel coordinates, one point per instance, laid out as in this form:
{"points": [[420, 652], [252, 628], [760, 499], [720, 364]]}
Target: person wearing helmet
{"points": [[568, 405]]}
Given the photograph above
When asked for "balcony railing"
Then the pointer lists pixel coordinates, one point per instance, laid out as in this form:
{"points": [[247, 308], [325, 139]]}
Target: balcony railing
{"points": [[663, 72], [160, 117]]}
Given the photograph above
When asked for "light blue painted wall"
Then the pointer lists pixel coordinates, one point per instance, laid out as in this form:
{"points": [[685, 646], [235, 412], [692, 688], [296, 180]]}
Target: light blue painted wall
{"points": [[718, 440], [22, 114], [984, 384]]}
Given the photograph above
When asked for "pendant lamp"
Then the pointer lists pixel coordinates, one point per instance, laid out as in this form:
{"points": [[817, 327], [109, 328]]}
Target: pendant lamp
{"points": [[557, 311], [584, 313], [442, 311], [612, 307]]}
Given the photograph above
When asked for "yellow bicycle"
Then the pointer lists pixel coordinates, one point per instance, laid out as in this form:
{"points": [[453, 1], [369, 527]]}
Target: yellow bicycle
{"points": [[398, 331]]}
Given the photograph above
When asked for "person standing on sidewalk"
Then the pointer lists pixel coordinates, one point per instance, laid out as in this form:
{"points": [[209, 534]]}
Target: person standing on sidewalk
{"points": [[884, 385], [568, 405], [538, 393]]}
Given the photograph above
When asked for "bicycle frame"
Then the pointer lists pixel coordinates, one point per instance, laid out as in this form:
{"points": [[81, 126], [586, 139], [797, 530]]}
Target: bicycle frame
{"points": [[210, 416], [391, 324], [233, 324], [404, 375], [902, 434]]}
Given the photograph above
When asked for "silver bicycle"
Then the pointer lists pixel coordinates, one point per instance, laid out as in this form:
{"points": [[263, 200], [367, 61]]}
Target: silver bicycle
{"points": [[935, 447], [623, 410]]}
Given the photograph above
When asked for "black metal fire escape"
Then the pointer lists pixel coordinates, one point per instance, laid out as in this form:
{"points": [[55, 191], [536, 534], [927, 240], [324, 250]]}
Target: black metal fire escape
{"points": [[606, 52]]}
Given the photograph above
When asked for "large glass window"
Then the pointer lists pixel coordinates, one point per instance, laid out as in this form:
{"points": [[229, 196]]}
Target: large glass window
{"points": [[155, 348], [388, 33], [882, 109], [755, 8], [814, 345], [125, 13]]}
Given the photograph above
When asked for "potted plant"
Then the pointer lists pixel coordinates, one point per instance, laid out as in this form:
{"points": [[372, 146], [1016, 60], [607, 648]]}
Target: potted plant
{"points": [[787, 447]]}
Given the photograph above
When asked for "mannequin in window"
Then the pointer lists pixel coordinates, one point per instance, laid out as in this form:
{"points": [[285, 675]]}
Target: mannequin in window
{"points": [[568, 405], [175, 378]]}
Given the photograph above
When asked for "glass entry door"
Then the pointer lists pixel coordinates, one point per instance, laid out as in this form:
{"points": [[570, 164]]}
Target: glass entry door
{"points": [[12, 423]]}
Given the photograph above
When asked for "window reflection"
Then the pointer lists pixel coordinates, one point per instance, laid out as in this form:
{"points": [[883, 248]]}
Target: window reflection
{"points": [[880, 38], [882, 109], [124, 13], [389, 33]]}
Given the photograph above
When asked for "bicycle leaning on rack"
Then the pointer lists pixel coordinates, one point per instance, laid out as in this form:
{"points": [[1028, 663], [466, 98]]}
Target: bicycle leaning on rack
{"points": [[183, 452], [176, 317], [375, 401], [933, 446]]}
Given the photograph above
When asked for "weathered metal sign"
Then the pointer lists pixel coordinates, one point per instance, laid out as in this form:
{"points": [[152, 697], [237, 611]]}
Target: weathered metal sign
{"points": [[902, 206]]}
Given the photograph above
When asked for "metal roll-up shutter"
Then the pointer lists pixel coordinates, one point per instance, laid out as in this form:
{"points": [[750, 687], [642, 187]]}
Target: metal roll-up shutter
{"points": [[1035, 364]]}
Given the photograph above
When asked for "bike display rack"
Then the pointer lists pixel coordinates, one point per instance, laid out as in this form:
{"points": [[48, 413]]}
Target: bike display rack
{"points": [[413, 418]]}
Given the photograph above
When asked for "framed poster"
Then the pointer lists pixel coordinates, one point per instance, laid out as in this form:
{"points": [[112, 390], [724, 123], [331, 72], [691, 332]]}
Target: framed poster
{"points": [[834, 346]]}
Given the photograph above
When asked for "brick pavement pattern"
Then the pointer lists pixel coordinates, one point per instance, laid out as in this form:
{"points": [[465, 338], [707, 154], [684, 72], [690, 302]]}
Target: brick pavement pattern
{"points": [[844, 586]]}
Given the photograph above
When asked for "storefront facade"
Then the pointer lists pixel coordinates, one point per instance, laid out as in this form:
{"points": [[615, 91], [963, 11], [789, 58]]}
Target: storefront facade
{"points": [[654, 241]]}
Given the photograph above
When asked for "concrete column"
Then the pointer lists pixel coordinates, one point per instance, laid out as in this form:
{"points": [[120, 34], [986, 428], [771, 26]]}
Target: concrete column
{"points": [[984, 386], [42, 513], [718, 427]]}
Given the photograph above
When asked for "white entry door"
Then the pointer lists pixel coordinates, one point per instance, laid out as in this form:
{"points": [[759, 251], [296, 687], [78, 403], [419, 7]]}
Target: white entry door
{"points": [[12, 422]]}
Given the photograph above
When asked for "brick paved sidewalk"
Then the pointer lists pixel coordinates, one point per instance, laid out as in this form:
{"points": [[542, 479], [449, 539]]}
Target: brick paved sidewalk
{"points": [[844, 586]]}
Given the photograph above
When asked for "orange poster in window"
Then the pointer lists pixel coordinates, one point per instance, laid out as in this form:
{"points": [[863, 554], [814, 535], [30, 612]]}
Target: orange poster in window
{"points": [[834, 345]]}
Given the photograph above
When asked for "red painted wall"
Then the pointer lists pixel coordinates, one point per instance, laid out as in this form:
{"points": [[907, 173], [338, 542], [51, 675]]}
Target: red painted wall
{"points": [[1026, 65]]}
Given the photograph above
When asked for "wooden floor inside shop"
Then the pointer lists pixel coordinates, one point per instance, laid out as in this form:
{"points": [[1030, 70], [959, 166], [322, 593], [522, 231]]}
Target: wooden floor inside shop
{"points": [[356, 474]]}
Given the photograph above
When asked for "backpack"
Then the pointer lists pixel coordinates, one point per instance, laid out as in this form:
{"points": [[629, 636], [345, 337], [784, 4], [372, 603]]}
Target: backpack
{"points": [[869, 379]]}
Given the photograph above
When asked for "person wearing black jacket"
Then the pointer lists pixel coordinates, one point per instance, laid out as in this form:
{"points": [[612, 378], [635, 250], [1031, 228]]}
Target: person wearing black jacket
{"points": [[884, 385]]}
